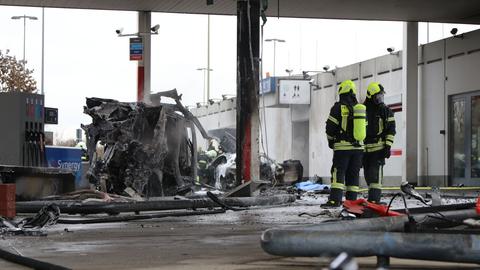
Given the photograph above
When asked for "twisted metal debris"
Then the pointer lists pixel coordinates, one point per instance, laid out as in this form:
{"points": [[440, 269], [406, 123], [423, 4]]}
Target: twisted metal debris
{"points": [[143, 147]]}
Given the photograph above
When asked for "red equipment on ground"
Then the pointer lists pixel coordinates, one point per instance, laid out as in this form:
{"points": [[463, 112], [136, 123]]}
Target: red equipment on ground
{"points": [[359, 207]]}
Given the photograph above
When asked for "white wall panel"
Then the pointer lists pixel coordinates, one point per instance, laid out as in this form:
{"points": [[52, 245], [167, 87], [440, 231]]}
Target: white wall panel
{"points": [[462, 73]]}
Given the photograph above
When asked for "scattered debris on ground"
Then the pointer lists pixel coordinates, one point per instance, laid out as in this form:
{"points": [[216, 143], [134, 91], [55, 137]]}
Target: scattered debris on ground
{"points": [[31, 226], [452, 230]]}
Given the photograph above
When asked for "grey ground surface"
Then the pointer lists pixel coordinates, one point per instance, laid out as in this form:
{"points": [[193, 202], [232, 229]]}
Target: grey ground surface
{"points": [[222, 241]]}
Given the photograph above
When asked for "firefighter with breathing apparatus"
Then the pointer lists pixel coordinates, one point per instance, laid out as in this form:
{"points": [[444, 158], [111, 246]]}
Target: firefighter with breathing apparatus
{"points": [[380, 135], [346, 130]]}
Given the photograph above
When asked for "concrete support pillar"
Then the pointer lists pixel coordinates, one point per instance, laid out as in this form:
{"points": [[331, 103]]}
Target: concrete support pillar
{"points": [[144, 66], [410, 102], [248, 51]]}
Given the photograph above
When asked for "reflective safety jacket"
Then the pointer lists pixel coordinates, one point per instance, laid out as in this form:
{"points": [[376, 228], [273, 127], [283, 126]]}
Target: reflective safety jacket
{"points": [[381, 126], [339, 128]]}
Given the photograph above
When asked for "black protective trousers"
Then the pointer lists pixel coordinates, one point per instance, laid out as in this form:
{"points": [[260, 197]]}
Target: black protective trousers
{"points": [[345, 172], [373, 170]]}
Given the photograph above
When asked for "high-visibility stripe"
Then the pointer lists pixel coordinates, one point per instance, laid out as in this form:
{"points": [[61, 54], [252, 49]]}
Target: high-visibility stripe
{"points": [[353, 188], [375, 185], [389, 143], [342, 145], [346, 149], [333, 119], [345, 144], [390, 137], [374, 149], [370, 145], [334, 175], [338, 186], [345, 113], [335, 148], [380, 179], [380, 126], [330, 137], [380, 174], [391, 119]]}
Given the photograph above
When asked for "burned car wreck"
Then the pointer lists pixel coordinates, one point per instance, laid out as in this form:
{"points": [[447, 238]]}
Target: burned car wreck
{"points": [[217, 165], [141, 147]]}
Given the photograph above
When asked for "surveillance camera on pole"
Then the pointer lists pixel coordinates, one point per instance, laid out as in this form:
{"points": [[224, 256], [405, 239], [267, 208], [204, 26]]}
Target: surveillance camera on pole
{"points": [[154, 31], [391, 50], [326, 68], [454, 32], [155, 28]]}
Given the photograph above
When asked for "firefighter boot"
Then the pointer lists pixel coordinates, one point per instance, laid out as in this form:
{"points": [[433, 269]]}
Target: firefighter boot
{"points": [[351, 195], [335, 198], [374, 195]]}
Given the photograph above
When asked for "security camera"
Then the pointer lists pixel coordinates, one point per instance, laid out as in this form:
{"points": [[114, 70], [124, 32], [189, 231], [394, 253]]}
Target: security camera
{"points": [[305, 75], [119, 31], [391, 51], [155, 28], [454, 32], [326, 68]]}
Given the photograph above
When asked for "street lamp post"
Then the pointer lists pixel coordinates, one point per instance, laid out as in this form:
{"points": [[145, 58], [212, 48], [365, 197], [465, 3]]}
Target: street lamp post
{"points": [[274, 40], [206, 95], [24, 17]]}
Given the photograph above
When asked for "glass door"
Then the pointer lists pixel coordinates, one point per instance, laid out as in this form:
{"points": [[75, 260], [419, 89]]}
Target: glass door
{"points": [[475, 138], [465, 139]]}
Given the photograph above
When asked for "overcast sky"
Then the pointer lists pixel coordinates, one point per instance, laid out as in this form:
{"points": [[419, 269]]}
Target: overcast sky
{"points": [[85, 58]]}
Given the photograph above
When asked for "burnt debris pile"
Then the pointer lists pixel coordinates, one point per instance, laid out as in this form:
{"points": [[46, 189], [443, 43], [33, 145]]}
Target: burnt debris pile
{"points": [[140, 147]]}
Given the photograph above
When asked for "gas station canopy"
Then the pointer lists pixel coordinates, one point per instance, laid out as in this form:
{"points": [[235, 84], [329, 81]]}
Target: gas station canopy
{"points": [[445, 11]]}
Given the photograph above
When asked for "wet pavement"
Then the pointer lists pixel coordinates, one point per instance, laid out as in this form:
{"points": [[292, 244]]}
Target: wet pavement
{"points": [[221, 241]]}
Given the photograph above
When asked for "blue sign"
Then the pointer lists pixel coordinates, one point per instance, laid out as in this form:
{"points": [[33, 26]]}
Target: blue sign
{"points": [[136, 49], [136, 46], [268, 85], [69, 158]]}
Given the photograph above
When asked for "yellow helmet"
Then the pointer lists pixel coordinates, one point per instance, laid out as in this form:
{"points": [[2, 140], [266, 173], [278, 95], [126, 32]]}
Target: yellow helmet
{"points": [[374, 88], [347, 86]]}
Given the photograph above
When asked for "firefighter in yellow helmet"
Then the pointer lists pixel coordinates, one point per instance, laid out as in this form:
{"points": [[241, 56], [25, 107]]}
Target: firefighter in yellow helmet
{"points": [[346, 130], [380, 135]]}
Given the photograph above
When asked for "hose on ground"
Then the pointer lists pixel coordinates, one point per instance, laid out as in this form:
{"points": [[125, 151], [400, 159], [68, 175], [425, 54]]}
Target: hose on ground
{"points": [[29, 262], [215, 199]]}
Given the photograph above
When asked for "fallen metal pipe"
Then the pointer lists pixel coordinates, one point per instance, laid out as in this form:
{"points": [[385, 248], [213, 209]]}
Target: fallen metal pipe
{"points": [[389, 224], [110, 219], [439, 247], [75, 207], [439, 208]]}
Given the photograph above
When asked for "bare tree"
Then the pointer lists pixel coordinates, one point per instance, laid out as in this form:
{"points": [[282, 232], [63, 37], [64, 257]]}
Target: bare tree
{"points": [[14, 77]]}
